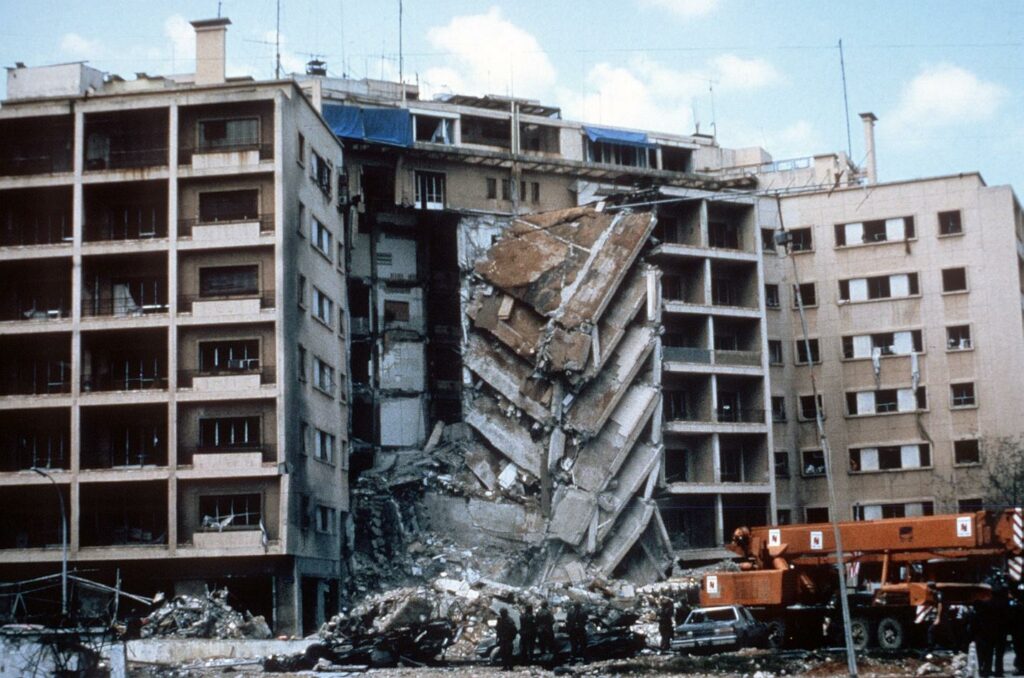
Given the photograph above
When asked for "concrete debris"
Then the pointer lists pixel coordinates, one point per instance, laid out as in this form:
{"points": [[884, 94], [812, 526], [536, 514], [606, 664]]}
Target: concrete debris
{"points": [[559, 337], [208, 617]]}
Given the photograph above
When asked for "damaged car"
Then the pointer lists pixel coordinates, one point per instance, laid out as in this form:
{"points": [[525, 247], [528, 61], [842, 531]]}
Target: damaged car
{"points": [[713, 629]]}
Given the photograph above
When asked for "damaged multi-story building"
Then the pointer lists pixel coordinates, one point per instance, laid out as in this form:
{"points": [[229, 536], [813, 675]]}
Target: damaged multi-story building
{"points": [[173, 337]]}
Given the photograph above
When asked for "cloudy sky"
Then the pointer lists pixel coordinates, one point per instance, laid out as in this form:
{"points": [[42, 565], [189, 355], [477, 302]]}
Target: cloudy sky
{"points": [[944, 77]]}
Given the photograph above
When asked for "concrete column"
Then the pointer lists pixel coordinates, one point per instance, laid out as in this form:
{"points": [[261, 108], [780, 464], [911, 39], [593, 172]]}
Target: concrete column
{"points": [[871, 165], [287, 600], [172, 327], [77, 219]]}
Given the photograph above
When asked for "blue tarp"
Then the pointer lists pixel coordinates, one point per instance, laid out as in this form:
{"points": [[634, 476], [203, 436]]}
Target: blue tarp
{"points": [[380, 125], [617, 136]]}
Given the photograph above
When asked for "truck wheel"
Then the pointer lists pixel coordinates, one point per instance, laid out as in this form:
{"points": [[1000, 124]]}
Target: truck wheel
{"points": [[776, 634], [890, 634], [860, 629]]}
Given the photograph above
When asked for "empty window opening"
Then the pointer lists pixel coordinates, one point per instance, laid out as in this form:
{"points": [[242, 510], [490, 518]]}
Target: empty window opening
{"points": [[801, 240], [782, 464], [779, 409], [958, 338], [242, 205], [966, 452], [223, 281], [807, 407], [954, 280], [808, 294], [228, 134], [435, 130], [231, 512], [801, 352], [950, 223], [812, 463], [771, 296], [890, 458]]}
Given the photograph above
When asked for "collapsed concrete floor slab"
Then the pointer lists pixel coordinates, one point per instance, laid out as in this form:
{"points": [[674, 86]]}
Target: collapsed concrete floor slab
{"points": [[563, 325]]}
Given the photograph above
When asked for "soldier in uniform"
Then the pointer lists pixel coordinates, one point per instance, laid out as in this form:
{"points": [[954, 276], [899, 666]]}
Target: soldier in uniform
{"points": [[527, 634], [666, 623], [576, 626], [506, 632], [545, 629]]}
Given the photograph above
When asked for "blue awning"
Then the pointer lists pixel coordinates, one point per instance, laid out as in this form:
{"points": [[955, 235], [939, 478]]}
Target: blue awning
{"points": [[617, 136], [380, 125]]}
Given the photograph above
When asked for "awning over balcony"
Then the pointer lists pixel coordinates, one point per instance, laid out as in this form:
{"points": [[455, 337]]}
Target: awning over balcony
{"points": [[391, 126], [617, 136]]}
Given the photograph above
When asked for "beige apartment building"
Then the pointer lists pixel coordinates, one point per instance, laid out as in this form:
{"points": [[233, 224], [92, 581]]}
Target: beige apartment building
{"points": [[913, 300], [173, 337]]}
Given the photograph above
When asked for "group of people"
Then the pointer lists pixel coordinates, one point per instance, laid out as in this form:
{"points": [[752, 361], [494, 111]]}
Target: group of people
{"points": [[536, 633], [993, 618]]}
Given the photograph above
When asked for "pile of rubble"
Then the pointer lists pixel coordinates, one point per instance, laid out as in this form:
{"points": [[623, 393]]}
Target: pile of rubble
{"points": [[207, 617]]}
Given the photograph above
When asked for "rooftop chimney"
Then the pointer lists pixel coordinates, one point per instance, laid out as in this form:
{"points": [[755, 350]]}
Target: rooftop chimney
{"points": [[869, 144], [210, 39]]}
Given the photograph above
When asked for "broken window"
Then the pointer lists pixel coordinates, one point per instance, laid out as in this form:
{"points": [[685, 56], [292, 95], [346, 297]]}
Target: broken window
{"points": [[778, 409], [886, 401], [396, 311], [878, 230], [534, 191], [774, 352], [323, 376], [321, 238], [886, 343], [228, 134], [962, 394], [300, 151], [676, 405], [971, 505], [783, 516], [808, 294], [225, 281], [324, 519], [430, 188], [677, 465], [492, 188], [954, 280], [617, 154], [323, 307], [723, 235], [300, 289], [801, 240], [890, 458], [320, 173], [768, 240], [816, 514], [801, 352], [958, 338], [880, 511], [300, 220], [771, 296], [300, 363], [231, 512], [136, 444], [229, 356], [878, 287], [725, 291], [435, 130], [222, 433], [506, 189], [323, 446], [241, 205], [807, 407], [812, 463], [966, 452], [782, 464], [950, 223]]}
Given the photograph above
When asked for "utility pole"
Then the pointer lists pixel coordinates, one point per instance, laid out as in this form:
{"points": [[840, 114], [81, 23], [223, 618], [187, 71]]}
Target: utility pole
{"points": [[63, 545], [277, 44], [782, 238]]}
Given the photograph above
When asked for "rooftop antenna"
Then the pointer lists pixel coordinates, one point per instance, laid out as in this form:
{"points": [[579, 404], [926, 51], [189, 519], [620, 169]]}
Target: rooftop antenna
{"points": [[846, 101], [277, 44], [344, 67], [401, 62], [714, 123], [219, 3]]}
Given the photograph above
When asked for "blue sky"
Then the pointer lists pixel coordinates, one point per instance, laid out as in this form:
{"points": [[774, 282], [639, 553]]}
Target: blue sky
{"points": [[944, 78]]}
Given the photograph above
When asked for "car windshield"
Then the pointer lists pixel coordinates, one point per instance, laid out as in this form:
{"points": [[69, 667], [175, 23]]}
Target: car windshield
{"points": [[724, 614]]}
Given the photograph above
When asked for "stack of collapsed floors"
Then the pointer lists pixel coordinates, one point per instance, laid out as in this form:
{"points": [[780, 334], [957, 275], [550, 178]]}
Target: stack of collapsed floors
{"points": [[563, 348]]}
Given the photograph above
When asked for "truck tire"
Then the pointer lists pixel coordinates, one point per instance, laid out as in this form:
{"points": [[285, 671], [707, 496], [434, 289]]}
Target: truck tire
{"points": [[860, 629], [776, 639], [890, 635]]}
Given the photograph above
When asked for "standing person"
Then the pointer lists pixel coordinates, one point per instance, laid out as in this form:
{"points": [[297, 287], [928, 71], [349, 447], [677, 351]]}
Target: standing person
{"points": [[990, 629], [527, 634], [666, 623], [545, 629], [506, 632], [576, 625]]}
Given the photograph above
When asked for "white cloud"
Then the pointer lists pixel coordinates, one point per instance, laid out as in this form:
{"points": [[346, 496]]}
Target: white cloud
{"points": [[734, 72], [290, 61], [179, 31], [490, 55], [80, 47], [686, 9], [943, 95], [796, 140]]}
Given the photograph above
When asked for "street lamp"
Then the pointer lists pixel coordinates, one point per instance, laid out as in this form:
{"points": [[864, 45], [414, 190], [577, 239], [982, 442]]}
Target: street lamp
{"points": [[63, 544]]}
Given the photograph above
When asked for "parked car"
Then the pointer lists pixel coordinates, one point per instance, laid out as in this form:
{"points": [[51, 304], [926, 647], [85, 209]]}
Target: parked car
{"points": [[728, 627]]}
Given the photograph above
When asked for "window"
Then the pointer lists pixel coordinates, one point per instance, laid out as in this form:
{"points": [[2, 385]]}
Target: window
{"points": [[886, 401], [435, 130], [782, 464], [323, 376], [878, 230], [958, 338], [779, 409], [966, 452], [890, 458], [774, 351], [972, 505], [325, 519], [534, 191], [771, 296], [816, 514], [802, 240], [723, 235], [323, 307], [230, 512], [878, 287], [323, 448], [300, 221], [963, 394], [241, 205], [303, 438], [300, 358], [229, 433], [301, 291], [954, 280], [768, 240], [808, 294], [320, 173], [241, 132], [300, 151], [725, 291], [812, 463], [224, 281], [783, 516], [506, 189], [884, 343], [880, 511], [801, 352], [322, 238], [807, 407], [492, 188], [617, 154], [430, 187], [950, 223], [229, 356], [396, 311]]}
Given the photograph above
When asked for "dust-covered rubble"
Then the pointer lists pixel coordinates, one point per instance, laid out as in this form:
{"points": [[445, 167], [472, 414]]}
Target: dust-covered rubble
{"points": [[209, 616]]}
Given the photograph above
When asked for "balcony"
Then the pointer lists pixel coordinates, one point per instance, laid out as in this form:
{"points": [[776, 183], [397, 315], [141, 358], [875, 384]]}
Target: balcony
{"points": [[230, 136], [36, 145], [124, 437], [35, 290], [237, 375], [31, 516], [734, 415], [228, 230], [124, 285], [124, 360], [124, 514], [35, 439], [35, 365], [217, 306], [739, 358], [687, 354], [125, 211], [229, 459], [126, 139], [34, 217]]}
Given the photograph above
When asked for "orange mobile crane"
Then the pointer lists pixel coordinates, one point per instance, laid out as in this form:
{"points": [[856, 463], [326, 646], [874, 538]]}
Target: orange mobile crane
{"points": [[902, 568]]}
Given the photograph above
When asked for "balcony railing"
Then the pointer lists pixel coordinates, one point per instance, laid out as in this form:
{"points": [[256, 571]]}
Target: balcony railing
{"points": [[121, 307], [108, 382], [108, 232], [28, 386], [128, 158], [45, 311], [266, 151], [104, 458], [43, 163], [727, 415], [266, 373], [751, 358], [266, 221], [22, 235], [186, 455], [266, 298], [687, 354], [23, 460]]}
